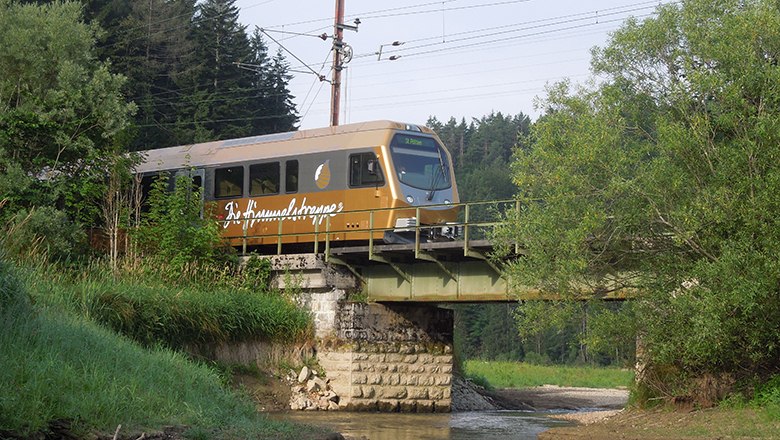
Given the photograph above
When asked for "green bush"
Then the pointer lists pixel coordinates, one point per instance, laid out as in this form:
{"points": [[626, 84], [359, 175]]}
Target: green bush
{"points": [[44, 231], [173, 233]]}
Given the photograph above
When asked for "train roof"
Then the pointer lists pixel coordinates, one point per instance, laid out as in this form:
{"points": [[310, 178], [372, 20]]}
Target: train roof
{"points": [[292, 143]]}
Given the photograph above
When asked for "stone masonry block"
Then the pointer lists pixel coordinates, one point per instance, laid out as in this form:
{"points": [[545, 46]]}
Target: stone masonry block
{"points": [[435, 393], [442, 406], [426, 381], [388, 405], [394, 358], [424, 406], [387, 392], [357, 392], [444, 359], [359, 379], [374, 379], [393, 379], [411, 358], [444, 379], [410, 380], [368, 392], [406, 349], [426, 359], [407, 406], [417, 393]]}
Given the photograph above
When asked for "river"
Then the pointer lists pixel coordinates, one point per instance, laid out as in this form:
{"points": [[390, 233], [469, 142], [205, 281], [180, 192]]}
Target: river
{"points": [[477, 425]]}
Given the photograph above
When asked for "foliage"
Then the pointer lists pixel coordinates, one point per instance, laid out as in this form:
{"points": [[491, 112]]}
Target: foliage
{"points": [[486, 331], [255, 274], [44, 232], [60, 108], [502, 374], [663, 180], [481, 151], [173, 230]]}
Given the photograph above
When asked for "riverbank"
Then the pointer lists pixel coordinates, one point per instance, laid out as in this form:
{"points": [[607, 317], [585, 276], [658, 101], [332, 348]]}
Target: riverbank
{"points": [[668, 424]]}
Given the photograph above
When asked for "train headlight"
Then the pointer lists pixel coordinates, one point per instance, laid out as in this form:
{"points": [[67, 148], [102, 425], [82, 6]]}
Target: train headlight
{"points": [[410, 199], [447, 202]]}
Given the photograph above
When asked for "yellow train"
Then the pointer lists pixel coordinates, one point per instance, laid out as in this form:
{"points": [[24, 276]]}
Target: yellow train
{"points": [[308, 181]]}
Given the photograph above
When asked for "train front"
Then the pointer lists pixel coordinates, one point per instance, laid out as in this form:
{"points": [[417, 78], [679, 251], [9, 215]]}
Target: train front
{"points": [[423, 178]]}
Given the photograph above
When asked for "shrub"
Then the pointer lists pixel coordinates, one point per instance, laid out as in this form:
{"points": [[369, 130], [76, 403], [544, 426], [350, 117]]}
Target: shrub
{"points": [[173, 231], [44, 231]]}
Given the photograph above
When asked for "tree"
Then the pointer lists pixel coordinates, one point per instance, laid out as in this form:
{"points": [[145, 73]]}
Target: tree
{"points": [[226, 89], [152, 45], [61, 110], [664, 180]]}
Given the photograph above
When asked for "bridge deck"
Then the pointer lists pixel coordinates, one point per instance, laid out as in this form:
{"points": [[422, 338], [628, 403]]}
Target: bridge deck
{"points": [[441, 246]]}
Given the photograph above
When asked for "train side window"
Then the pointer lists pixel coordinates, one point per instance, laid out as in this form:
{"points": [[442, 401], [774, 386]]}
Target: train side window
{"points": [[364, 170], [264, 179], [291, 176], [229, 182]]}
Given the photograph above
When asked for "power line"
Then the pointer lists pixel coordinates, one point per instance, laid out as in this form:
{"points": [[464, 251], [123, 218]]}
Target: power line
{"points": [[497, 40], [624, 8], [538, 26], [317, 20], [551, 21]]}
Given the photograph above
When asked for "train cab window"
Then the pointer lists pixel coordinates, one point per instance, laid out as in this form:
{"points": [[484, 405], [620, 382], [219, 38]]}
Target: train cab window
{"points": [[291, 176], [229, 182], [364, 170], [264, 179]]}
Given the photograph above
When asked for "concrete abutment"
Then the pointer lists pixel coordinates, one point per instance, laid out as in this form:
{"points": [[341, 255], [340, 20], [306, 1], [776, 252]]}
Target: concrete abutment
{"points": [[392, 357]]}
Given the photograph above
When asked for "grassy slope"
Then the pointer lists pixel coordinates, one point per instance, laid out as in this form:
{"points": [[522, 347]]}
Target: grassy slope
{"points": [[154, 311], [521, 375], [59, 365]]}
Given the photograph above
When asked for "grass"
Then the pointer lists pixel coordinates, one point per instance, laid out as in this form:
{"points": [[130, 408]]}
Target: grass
{"points": [[501, 374], [154, 311], [56, 365]]}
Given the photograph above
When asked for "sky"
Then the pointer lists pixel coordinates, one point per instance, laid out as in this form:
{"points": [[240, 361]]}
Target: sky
{"points": [[459, 58]]}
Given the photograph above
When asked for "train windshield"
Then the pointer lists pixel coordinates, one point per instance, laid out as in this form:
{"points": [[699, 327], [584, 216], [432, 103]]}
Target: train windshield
{"points": [[420, 162]]}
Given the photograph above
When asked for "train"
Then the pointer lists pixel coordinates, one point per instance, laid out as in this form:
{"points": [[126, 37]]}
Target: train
{"points": [[382, 180]]}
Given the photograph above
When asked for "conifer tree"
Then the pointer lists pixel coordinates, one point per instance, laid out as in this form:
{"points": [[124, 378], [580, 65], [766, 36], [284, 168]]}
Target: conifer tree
{"points": [[222, 42]]}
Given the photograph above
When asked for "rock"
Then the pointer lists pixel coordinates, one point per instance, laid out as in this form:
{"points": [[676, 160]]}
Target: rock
{"points": [[312, 386], [304, 374], [333, 406], [298, 402], [320, 383], [323, 404], [332, 396]]}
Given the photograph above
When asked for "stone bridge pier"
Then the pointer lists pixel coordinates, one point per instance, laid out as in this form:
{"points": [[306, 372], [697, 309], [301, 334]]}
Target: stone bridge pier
{"points": [[390, 357]]}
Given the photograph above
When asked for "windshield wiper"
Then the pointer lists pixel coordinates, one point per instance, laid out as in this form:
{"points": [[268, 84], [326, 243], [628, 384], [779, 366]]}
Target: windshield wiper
{"points": [[435, 178]]}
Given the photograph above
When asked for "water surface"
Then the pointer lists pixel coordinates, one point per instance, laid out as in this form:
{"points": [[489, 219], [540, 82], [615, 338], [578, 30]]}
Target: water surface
{"points": [[477, 425]]}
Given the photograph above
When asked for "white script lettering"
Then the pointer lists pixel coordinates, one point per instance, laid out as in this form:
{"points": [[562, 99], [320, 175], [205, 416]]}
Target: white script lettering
{"points": [[294, 212]]}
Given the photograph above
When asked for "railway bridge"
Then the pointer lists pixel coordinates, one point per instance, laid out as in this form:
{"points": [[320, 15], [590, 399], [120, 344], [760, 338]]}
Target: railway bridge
{"points": [[384, 330]]}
